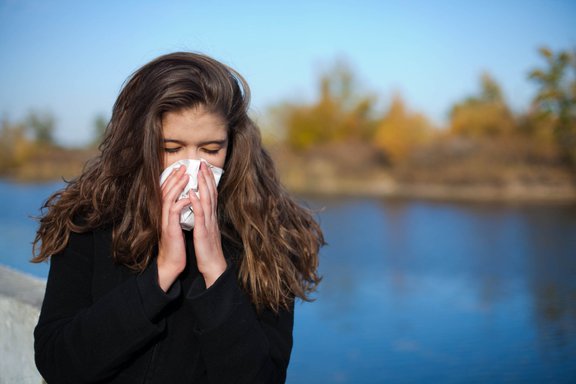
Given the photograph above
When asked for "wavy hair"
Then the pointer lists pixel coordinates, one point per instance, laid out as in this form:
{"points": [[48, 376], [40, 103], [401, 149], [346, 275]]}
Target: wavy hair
{"points": [[279, 240]]}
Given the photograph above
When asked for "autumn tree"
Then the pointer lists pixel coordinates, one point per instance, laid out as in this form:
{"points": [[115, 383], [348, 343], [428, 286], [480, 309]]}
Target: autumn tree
{"points": [[400, 131], [555, 101], [41, 126], [341, 112], [15, 148], [483, 115]]}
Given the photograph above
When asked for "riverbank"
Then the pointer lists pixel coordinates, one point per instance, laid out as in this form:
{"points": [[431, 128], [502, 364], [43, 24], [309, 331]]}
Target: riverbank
{"points": [[49, 164], [352, 169], [358, 171], [387, 188]]}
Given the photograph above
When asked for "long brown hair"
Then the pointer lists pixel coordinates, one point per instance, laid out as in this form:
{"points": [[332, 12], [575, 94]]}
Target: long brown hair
{"points": [[279, 239]]}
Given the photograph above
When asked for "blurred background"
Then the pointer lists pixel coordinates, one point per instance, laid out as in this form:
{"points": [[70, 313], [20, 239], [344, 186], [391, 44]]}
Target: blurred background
{"points": [[435, 140]]}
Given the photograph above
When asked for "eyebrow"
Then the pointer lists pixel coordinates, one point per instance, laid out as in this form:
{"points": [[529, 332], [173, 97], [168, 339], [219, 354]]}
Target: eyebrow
{"points": [[200, 144]]}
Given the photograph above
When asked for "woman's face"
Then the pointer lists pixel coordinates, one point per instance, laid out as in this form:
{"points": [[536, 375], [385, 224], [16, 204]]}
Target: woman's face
{"points": [[196, 134]]}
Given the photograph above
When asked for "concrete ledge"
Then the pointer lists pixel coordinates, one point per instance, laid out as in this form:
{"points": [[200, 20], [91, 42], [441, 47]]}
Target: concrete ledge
{"points": [[20, 300]]}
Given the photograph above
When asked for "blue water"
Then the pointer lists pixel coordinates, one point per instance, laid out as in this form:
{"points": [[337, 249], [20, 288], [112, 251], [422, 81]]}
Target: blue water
{"points": [[21, 204], [414, 291]]}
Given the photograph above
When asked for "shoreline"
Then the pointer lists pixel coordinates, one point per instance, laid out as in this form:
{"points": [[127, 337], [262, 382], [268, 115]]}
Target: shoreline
{"points": [[388, 188], [338, 174], [441, 192]]}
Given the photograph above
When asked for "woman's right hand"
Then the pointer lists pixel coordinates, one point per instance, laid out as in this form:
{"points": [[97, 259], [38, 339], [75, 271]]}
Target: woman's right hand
{"points": [[172, 249]]}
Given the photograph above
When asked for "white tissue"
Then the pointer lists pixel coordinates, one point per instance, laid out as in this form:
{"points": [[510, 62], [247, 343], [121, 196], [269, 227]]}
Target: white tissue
{"points": [[192, 168]]}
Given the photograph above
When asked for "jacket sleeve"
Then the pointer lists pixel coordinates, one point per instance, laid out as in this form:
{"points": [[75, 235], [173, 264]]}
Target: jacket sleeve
{"points": [[238, 344], [79, 340]]}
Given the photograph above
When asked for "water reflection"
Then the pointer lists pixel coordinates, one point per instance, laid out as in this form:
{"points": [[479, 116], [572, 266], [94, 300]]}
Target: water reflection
{"points": [[553, 282], [421, 291]]}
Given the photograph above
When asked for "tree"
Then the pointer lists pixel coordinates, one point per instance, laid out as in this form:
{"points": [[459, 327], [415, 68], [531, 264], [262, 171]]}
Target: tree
{"points": [[41, 126], [341, 112], [400, 131], [555, 101], [15, 148], [483, 115]]}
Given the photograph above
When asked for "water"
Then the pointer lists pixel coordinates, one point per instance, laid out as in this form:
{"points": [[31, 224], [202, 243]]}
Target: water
{"points": [[20, 203], [415, 291]]}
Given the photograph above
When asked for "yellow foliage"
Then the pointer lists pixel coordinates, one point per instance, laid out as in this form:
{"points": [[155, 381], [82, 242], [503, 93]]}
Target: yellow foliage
{"points": [[400, 131], [556, 98], [340, 113], [479, 119], [15, 146], [484, 115]]}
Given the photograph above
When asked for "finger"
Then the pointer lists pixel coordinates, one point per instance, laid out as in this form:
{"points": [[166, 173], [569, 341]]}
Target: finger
{"points": [[211, 184], [173, 211], [207, 197], [198, 210], [175, 187], [209, 176], [179, 205], [171, 175], [173, 178], [170, 203]]}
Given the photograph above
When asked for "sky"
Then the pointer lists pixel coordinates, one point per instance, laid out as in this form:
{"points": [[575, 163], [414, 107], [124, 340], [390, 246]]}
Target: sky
{"points": [[70, 58]]}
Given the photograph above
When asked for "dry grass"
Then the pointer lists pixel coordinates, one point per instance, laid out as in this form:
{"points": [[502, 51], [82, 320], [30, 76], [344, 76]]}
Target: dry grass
{"points": [[50, 164], [513, 169]]}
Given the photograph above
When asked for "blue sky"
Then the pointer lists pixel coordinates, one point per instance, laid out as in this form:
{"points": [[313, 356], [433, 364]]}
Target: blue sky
{"points": [[71, 57]]}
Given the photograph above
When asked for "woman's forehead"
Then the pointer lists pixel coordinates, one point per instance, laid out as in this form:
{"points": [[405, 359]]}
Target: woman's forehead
{"points": [[193, 124]]}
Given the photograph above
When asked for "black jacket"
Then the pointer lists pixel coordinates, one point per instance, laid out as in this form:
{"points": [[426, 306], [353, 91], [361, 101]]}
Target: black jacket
{"points": [[102, 323]]}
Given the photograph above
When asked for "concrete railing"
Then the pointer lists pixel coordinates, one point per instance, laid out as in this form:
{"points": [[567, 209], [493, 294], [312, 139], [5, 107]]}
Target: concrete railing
{"points": [[20, 300]]}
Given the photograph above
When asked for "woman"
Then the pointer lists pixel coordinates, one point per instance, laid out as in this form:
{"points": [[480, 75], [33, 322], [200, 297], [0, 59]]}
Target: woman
{"points": [[131, 297]]}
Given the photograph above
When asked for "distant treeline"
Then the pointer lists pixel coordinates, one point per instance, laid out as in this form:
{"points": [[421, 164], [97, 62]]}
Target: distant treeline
{"points": [[481, 124], [345, 113], [29, 151]]}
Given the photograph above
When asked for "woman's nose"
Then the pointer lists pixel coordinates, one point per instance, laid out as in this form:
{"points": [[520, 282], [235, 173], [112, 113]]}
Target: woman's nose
{"points": [[192, 153]]}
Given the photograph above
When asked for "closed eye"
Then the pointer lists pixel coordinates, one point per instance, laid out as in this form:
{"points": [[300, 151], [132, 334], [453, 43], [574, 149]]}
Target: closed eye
{"points": [[211, 151], [171, 150]]}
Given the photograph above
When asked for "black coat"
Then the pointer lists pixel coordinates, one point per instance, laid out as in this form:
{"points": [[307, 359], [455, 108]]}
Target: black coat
{"points": [[102, 323]]}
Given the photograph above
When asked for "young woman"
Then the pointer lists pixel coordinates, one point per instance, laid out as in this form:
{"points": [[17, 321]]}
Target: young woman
{"points": [[131, 297]]}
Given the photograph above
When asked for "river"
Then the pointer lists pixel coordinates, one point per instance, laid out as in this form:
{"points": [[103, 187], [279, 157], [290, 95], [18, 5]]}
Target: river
{"points": [[414, 291]]}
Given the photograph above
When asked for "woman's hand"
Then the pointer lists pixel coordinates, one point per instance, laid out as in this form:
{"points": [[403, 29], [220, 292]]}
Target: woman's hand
{"points": [[172, 249], [207, 238]]}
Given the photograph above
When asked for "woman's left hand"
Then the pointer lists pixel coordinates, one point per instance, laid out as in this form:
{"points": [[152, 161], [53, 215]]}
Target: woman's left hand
{"points": [[207, 238]]}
